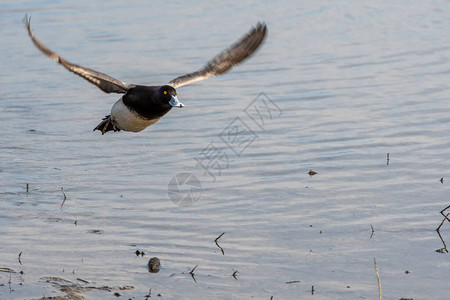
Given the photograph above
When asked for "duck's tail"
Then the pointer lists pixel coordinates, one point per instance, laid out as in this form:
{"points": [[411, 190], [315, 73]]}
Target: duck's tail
{"points": [[106, 125]]}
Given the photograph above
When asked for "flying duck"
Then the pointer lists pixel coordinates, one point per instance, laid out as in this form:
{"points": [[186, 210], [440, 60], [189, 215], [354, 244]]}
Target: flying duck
{"points": [[142, 106]]}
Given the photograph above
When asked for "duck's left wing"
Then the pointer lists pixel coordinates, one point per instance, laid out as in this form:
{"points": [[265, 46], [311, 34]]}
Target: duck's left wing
{"points": [[105, 82], [228, 58]]}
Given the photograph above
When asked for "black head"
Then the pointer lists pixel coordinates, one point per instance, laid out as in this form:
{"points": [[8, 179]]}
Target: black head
{"points": [[168, 94]]}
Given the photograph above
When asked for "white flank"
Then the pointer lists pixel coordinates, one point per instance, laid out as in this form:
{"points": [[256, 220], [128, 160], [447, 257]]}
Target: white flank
{"points": [[128, 120]]}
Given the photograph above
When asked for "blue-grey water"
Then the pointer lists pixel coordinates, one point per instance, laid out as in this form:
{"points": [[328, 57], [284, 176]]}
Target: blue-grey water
{"points": [[338, 85]]}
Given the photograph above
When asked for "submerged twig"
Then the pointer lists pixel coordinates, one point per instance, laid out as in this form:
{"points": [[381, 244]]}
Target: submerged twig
{"points": [[378, 278], [217, 244]]}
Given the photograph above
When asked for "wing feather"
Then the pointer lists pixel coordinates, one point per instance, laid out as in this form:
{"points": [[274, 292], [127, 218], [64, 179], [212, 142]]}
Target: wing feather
{"points": [[228, 58], [105, 82]]}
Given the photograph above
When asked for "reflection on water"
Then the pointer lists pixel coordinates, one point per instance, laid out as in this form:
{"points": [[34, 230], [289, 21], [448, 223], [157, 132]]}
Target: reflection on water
{"points": [[348, 84]]}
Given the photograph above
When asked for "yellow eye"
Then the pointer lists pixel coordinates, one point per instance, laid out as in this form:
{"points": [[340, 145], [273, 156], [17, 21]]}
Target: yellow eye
{"points": [[165, 92]]}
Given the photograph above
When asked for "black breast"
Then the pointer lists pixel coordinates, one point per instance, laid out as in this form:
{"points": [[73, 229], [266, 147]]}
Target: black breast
{"points": [[144, 100]]}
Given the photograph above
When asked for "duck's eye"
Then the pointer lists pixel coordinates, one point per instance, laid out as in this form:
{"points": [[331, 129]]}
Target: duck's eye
{"points": [[165, 92]]}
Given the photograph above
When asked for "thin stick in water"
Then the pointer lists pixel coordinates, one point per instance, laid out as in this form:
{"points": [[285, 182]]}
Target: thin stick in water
{"points": [[438, 230], [442, 223], [9, 282], [82, 280], [445, 216], [378, 278], [217, 244], [234, 274], [192, 273], [64, 194]]}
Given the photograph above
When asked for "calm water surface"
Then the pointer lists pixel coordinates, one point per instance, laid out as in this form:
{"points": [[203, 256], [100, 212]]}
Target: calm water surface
{"points": [[348, 83]]}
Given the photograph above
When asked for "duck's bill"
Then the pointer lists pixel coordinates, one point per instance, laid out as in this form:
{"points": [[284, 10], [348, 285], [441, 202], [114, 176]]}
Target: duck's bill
{"points": [[175, 102]]}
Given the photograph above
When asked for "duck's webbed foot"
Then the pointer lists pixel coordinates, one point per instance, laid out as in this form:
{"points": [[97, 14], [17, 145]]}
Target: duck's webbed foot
{"points": [[106, 125]]}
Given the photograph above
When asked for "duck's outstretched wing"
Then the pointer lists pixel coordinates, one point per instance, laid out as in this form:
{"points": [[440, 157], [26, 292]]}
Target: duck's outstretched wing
{"points": [[228, 58], [105, 82]]}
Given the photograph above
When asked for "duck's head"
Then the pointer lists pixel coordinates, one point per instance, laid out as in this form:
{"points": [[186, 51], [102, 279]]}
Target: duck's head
{"points": [[169, 96]]}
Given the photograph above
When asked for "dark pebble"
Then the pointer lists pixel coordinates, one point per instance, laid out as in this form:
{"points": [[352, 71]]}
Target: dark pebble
{"points": [[154, 264]]}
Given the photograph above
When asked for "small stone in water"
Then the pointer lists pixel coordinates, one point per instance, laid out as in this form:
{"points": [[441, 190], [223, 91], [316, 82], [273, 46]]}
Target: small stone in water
{"points": [[154, 264]]}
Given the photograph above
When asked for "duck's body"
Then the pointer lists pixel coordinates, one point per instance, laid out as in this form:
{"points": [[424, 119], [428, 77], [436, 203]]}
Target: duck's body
{"points": [[142, 106], [139, 108]]}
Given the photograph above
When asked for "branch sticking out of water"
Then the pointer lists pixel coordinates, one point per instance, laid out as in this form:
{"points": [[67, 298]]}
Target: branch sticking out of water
{"points": [[7, 270], [9, 282], [149, 295], [217, 244], [82, 280], [440, 225], [64, 194], [378, 278], [438, 230], [192, 273], [445, 216], [20, 254], [234, 274]]}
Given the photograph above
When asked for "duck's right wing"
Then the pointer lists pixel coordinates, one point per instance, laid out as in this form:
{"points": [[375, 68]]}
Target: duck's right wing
{"points": [[105, 82], [228, 58]]}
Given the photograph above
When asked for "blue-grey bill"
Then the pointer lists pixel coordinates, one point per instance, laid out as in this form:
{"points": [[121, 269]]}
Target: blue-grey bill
{"points": [[175, 102]]}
